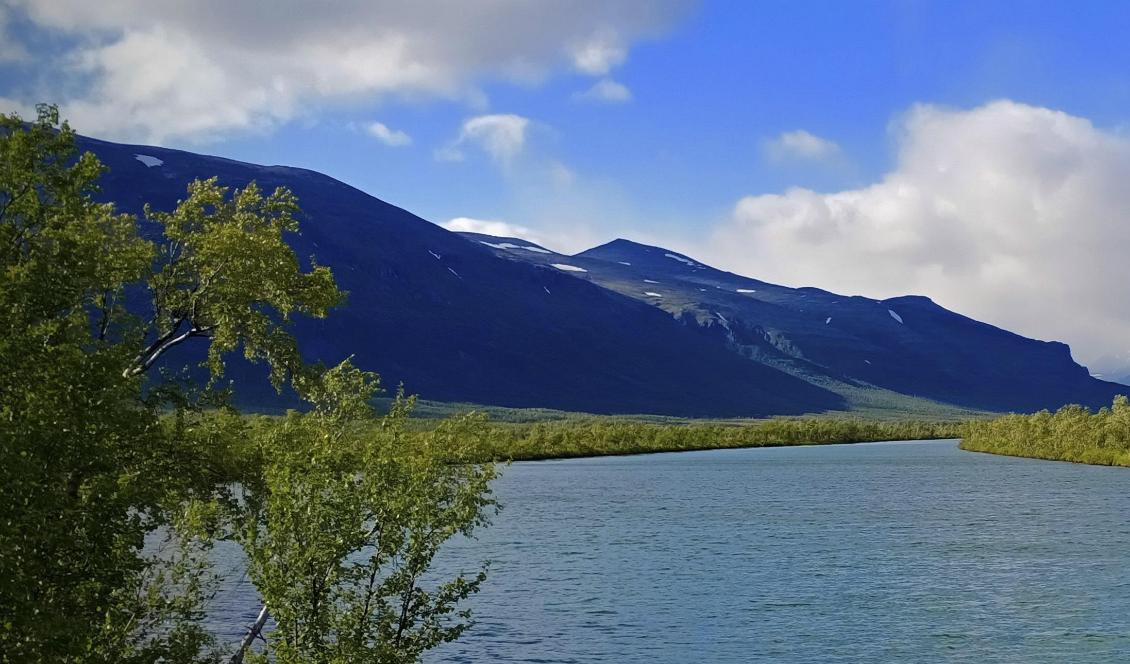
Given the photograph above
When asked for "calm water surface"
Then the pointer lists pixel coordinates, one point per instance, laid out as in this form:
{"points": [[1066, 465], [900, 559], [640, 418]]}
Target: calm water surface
{"points": [[847, 553]]}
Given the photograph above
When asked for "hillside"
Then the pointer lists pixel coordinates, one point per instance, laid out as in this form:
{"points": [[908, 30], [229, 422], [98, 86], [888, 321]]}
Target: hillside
{"points": [[907, 345], [620, 328], [454, 322]]}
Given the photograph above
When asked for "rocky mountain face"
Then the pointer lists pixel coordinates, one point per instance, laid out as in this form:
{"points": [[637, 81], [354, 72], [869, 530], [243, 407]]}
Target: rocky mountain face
{"points": [[908, 345]]}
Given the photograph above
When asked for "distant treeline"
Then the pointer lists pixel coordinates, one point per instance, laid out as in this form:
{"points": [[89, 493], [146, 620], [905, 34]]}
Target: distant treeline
{"points": [[1073, 433], [600, 437]]}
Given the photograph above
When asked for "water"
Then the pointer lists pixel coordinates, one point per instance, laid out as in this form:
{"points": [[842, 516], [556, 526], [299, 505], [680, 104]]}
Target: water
{"points": [[848, 553]]}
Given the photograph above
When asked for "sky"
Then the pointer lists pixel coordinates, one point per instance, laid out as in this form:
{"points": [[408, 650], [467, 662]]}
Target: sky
{"points": [[973, 152]]}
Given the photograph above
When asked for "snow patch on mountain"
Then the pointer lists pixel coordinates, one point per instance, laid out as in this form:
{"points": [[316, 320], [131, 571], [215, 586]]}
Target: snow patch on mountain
{"points": [[148, 160], [569, 268], [501, 245], [681, 259], [894, 315]]}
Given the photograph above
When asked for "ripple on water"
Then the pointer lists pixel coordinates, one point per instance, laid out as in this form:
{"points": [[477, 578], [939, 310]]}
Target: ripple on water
{"points": [[862, 553]]}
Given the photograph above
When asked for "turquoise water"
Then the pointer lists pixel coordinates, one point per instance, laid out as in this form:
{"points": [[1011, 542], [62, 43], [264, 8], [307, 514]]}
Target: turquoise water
{"points": [[908, 552], [913, 552]]}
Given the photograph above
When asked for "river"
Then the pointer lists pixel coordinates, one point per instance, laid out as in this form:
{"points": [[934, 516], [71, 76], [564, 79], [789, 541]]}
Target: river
{"points": [[911, 551]]}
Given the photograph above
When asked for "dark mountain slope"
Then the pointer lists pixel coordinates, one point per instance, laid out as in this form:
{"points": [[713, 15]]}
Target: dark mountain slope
{"points": [[907, 344], [455, 322]]}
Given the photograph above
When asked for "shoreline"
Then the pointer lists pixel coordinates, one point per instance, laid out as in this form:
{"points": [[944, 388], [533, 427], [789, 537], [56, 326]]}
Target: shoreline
{"points": [[598, 455], [1032, 457]]}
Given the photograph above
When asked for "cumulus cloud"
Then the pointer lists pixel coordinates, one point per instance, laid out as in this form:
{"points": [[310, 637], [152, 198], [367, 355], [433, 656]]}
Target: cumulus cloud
{"points": [[151, 70], [1012, 214], [606, 90], [502, 136], [390, 137], [490, 227], [600, 52], [574, 236], [800, 145]]}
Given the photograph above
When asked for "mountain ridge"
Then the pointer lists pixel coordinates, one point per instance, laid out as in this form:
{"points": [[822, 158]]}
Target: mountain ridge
{"points": [[453, 322], [907, 344], [619, 328]]}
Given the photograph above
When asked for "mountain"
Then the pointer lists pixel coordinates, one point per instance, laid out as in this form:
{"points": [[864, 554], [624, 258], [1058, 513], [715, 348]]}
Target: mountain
{"points": [[908, 345], [454, 322], [621, 328]]}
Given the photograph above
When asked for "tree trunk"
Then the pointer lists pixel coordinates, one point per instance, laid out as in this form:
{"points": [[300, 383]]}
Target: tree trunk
{"points": [[252, 632]]}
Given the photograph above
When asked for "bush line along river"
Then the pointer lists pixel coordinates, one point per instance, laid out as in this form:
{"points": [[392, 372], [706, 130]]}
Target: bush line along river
{"points": [[599, 437], [1072, 433]]}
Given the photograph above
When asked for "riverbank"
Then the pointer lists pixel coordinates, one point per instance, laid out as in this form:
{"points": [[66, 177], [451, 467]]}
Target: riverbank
{"points": [[600, 437], [1073, 433]]}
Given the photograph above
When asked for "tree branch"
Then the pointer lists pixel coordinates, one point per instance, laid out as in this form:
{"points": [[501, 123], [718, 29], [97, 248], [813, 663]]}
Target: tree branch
{"points": [[150, 355], [107, 311], [254, 631]]}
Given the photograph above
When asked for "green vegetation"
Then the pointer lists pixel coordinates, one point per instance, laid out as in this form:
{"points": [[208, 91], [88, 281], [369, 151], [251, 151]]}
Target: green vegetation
{"points": [[870, 404], [1073, 433], [591, 436], [119, 471]]}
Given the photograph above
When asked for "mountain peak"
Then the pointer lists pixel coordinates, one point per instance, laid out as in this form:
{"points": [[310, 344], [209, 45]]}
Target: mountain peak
{"points": [[621, 249]]}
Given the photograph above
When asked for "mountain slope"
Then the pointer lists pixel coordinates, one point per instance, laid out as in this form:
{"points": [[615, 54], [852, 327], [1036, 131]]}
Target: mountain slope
{"points": [[455, 322], [908, 345]]}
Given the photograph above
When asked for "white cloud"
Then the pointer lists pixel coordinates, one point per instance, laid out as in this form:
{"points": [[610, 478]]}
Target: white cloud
{"points": [[23, 109], [390, 137], [599, 52], [489, 227], [502, 136], [138, 69], [449, 153], [800, 145], [606, 90], [1012, 214]]}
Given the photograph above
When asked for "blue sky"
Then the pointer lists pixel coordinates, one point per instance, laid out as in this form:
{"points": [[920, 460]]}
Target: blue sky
{"points": [[791, 141], [730, 76]]}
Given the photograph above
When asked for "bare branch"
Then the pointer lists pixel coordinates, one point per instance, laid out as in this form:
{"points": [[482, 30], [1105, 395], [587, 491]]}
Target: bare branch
{"points": [[150, 355], [253, 632]]}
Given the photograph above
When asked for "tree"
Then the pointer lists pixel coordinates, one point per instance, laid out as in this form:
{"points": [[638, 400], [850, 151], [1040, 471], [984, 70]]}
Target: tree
{"points": [[82, 455], [345, 517], [101, 460]]}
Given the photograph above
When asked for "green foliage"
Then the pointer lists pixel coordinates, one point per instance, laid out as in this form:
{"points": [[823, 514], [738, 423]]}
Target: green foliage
{"points": [[1073, 433], [343, 520], [111, 502], [226, 271], [596, 436], [82, 457]]}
